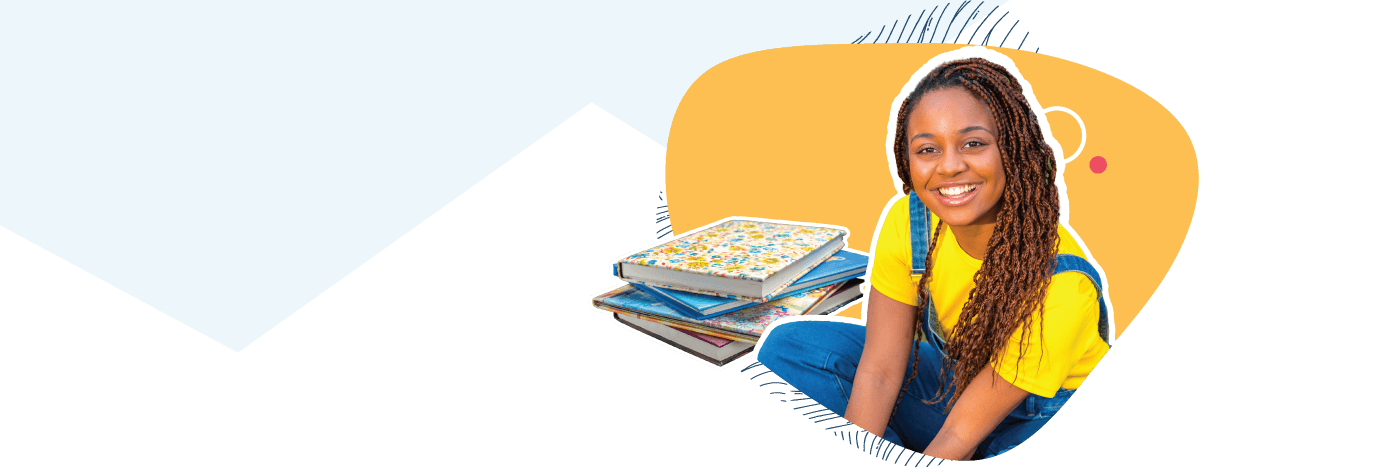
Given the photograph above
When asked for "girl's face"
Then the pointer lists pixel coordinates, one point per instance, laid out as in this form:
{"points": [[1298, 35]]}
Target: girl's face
{"points": [[954, 162]]}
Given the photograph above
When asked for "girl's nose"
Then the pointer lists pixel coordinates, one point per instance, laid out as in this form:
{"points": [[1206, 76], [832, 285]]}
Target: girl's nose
{"points": [[951, 164]]}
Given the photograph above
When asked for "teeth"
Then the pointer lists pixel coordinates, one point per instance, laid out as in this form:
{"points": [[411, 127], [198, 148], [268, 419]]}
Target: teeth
{"points": [[955, 191]]}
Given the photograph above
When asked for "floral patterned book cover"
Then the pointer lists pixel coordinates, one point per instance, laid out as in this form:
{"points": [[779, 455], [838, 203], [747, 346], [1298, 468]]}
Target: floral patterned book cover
{"points": [[736, 249], [746, 324]]}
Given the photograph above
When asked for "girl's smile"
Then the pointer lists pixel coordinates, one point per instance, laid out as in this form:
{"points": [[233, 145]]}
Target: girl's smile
{"points": [[956, 194]]}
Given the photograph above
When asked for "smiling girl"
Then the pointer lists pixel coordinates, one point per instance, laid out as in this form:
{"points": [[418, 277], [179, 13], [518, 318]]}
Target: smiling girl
{"points": [[984, 315]]}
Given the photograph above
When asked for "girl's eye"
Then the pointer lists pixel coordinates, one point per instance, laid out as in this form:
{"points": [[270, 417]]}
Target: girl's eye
{"points": [[974, 144], [926, 150]]}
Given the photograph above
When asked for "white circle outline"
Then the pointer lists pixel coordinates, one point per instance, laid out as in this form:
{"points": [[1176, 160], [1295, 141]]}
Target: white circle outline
{"points": [[1083, 131]]}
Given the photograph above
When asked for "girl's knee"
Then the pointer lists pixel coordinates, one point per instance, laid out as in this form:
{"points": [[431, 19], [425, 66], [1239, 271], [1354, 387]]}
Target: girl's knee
{"points": [[802, 340], [790, 336], [778, 341]]}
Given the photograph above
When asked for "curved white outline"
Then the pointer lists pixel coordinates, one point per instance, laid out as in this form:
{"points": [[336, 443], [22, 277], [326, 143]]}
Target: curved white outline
{"points": [[1083, 130]]}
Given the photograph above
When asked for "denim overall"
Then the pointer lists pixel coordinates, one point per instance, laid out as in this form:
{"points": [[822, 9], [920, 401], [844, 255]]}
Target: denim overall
{"points": [[1033, 413]]}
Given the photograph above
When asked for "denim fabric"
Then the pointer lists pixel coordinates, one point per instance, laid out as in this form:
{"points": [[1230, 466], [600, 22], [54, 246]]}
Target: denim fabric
{"points": [[820, 357], [1072, 263], [918, 249]]}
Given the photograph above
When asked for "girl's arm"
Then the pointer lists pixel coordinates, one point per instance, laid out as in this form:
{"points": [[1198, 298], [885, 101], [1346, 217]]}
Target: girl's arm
{"points": [[989, 398], [889, 336]]}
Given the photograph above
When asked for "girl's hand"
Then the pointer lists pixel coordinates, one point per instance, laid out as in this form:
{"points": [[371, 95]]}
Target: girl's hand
{"points": [[989, 398]]}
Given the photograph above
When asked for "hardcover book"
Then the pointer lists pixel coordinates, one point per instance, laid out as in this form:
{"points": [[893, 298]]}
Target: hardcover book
{"points": [[842, 266], [740, 259], [744, 325], [712, 340], [846, 293], [711, 349], [717, 352]]}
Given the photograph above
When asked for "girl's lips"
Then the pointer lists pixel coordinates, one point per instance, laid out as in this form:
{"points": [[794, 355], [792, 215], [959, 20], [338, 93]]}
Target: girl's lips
{"points": [[955, 195]]}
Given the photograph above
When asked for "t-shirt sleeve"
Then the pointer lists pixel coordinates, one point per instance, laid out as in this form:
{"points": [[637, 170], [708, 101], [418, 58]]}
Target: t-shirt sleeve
{"points": [[890, 273], [1070, 324]]}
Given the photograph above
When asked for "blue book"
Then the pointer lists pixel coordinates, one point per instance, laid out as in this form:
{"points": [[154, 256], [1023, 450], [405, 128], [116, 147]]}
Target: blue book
{"points": [[841, 266]]}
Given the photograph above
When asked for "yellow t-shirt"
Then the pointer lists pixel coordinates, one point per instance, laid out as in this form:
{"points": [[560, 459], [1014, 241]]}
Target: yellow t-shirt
{"points": [[1072, 344]]}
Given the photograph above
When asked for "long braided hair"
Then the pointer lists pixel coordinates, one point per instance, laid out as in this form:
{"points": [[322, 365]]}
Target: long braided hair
{"points": [[1015, 274]]}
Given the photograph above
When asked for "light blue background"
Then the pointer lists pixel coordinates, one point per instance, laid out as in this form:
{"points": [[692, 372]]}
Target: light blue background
{"points": [[226, 163]]}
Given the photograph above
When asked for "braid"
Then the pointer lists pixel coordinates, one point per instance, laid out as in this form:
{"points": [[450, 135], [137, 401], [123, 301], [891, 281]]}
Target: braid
{"points": [[1011, 285], [901, 147]]}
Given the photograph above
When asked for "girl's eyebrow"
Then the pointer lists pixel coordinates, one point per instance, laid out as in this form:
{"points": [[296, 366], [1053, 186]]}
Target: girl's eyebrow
{"points": [[975, 127], [963, 131]]}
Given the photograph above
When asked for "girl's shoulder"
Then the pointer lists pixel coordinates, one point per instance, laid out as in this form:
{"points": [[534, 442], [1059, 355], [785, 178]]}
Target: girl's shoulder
{"points": [[1069, 244], [890, 253], [1072, 290], [898, 207], [895, 216]]}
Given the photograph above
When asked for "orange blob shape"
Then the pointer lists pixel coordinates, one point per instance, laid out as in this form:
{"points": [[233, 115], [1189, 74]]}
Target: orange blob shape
{"points": [[799, 134]]}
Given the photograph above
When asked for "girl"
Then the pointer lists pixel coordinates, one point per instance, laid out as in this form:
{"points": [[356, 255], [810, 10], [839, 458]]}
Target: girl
{"points": [[984, 315]]}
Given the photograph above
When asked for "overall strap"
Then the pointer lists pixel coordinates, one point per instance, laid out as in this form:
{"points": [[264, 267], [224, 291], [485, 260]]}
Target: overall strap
{"points": [[918, 233], [918, 248], [1073, 263]]}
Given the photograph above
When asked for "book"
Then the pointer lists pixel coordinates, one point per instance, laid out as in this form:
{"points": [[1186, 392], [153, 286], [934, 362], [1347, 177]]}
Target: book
{"points": [[743, 325], [846, 293], [721, 352], [693, 343], [740, 259], [712, 340], [842, 266]]}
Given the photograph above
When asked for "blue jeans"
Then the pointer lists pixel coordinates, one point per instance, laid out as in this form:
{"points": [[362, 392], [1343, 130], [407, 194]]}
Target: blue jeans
{"points": [[820, 357]]}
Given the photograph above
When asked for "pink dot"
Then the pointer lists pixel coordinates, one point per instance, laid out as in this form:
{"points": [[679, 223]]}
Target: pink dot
{"points": [[1098, 164]]}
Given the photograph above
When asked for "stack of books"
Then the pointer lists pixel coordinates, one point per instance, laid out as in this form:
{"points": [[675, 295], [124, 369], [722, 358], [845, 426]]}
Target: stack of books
{"points": [[713, 291]]}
